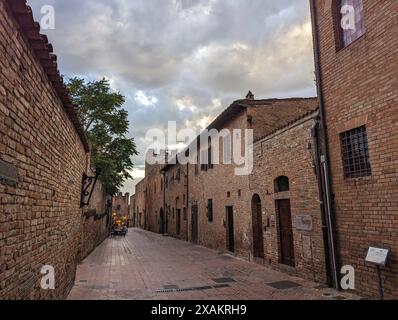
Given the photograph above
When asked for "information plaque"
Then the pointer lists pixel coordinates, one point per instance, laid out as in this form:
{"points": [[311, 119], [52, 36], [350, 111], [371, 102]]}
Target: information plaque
{"points": [[378, 256]]}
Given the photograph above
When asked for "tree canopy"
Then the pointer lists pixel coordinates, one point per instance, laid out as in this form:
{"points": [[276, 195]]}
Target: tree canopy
{"points": [[106, 125]]}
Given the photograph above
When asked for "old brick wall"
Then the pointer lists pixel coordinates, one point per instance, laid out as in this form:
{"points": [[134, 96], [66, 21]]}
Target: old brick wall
{"points": [[40, 217], [360, 85], [154, 196], [140, 191], [175, 201], [120, 205], [96, 222], [287, 153], [221, 185], [276, 112], [132, 212]]}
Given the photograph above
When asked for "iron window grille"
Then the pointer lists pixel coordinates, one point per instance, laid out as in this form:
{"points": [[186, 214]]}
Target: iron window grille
{"points": [[355, 153]]}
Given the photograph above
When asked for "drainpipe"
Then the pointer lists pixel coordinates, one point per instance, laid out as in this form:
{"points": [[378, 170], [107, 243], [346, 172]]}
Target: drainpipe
{"points": [[325, 233], [324, 158], [186, 204]]}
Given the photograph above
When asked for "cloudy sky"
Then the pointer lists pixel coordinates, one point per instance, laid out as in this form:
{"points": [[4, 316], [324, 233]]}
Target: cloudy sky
{"points": [[184, 60]]}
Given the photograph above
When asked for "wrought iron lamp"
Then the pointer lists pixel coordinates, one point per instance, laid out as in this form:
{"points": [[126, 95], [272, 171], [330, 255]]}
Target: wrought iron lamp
{"points": [[88, 187]]}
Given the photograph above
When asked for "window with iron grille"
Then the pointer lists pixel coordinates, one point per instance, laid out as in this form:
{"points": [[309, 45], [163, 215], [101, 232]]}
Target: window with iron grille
{"points": [[355, 153], [350, 21]]}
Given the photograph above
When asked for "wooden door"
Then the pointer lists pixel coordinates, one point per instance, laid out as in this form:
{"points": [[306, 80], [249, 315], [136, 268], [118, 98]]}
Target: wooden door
{"points": [[178, 227], [230, 230], [286, 232], [194, 224], [257, 222]]}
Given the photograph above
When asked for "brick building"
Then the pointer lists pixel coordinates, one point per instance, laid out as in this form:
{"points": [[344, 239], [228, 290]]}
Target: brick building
{"points": [[154, 217], [140, 204], [43, 156], [357, 72], [132, 212], [219, 199], [211, 205], [175, 221], [286, 221], [121, 205]]}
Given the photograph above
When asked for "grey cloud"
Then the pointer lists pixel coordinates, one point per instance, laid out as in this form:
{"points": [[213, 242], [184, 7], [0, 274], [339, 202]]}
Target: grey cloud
{"points": [[200, 51]]}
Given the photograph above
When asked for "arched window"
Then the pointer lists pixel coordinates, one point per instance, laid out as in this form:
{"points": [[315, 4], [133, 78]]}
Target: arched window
{"points": [[282, 184]]}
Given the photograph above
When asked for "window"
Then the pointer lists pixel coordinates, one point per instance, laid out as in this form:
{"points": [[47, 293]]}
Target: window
{"points": [[227, 149], [210, 156], [210, 210], [204, 160], [355, 153], [350, 22], [282, 184]]}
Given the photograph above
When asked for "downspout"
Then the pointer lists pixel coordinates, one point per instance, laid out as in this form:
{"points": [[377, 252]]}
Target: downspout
{"points": [[325, 157], [187, 202], [325, 234]]}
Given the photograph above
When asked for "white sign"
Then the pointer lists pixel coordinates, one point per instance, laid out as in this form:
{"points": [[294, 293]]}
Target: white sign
{"points": [[378, 256]]}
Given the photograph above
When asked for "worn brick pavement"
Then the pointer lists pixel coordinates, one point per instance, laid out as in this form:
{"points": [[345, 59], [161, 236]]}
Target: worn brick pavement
{"points": [[148, 266]]}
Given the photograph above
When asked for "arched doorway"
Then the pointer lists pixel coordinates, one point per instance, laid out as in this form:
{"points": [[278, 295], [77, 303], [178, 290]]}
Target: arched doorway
{"points": [[257, 222]]}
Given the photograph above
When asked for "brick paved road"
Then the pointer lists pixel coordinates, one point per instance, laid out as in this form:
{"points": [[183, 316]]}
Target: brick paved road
{"points": [[149, 266]]}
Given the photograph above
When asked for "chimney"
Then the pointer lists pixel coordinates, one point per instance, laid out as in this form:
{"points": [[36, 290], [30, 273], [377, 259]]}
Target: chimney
{"points": [[250, 96]]}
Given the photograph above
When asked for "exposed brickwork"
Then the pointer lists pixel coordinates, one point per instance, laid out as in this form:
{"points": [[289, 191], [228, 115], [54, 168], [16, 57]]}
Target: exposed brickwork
{"points": [[140, 197], [176, 196], [120, 205], [360, 86], [154, 191], [96, 222], [289, 153], [40, 217], [226, 189]]}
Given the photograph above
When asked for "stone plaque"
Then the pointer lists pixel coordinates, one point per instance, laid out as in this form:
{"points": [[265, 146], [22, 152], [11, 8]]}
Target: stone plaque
{"points": [[303, 222], [8, 174], [378, 256]]}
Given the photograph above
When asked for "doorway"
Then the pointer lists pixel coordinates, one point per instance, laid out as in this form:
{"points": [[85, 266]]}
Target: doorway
{"points": [[178, 224], [194, 224], [161, 221], [257, 221], [286, 232], [230, 230]]}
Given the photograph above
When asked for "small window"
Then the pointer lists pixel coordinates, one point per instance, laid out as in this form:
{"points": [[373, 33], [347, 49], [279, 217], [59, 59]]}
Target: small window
{"points": [[350, 22], [227, 149], [355, 153], [282, 184], [210, 210], [204, 160], [210, 160]]}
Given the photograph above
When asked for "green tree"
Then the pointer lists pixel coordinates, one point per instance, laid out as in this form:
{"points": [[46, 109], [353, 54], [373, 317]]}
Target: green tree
{"points": [[106, 125]]}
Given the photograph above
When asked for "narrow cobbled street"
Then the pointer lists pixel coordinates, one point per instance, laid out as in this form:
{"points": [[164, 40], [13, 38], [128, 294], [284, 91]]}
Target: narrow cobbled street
{"points": [[149, 266]]}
